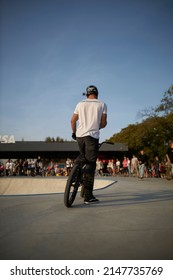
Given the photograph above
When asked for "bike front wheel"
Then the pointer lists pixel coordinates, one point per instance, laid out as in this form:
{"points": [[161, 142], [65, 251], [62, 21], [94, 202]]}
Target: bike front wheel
{"points": [[72, 185]]}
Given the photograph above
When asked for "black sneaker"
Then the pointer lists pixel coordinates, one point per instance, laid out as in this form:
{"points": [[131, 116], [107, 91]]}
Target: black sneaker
{"points": [[94, 199], [91, 200]]}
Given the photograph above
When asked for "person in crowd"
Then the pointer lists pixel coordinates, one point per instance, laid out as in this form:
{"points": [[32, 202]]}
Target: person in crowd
{"points": [[162, 169], [134, 166], [129, 166], [19, 167], [29, 168], [52, 168], [169, 157], [2, 169], [37, 166], [7, 168], [99, 167], [68, 165], [41, 168], [104, 169], [157, 167], [117, 164], [110, 167], [125, 166], [25, 167], [142, 158], [11, 167], [33, 166]]}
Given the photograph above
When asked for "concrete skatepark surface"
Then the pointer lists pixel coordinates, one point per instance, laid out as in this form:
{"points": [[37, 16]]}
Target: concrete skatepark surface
{"points": [[132, 221]]}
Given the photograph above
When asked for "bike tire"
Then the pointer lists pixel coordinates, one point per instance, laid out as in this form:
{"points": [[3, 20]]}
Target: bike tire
{"points": [[72, 185]]}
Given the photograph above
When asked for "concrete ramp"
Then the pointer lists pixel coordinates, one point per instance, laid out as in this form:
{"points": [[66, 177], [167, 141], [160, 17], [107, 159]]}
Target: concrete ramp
{"points": [[35, 185]]}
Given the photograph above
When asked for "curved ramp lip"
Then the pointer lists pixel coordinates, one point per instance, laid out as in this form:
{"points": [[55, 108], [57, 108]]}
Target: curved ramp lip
{"points": [[108, 182]]}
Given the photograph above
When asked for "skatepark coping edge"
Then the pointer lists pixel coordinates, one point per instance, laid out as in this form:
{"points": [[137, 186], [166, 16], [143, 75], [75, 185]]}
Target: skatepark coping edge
{"points": [[35, 186]]}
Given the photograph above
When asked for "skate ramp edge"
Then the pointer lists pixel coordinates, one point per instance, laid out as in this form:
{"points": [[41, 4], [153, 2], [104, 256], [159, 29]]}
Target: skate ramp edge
{"points": [[31, 186]]}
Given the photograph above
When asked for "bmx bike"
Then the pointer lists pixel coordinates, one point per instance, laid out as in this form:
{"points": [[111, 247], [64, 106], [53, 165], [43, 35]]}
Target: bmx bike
{"points": [[75, 180]]}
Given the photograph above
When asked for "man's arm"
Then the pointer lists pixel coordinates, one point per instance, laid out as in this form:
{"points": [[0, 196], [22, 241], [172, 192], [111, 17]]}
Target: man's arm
{"points": [[103, 122], [73, 122]]}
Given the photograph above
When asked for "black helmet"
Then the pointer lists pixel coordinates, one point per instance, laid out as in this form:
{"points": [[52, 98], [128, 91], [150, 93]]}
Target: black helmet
{"points": [[91, 90]]}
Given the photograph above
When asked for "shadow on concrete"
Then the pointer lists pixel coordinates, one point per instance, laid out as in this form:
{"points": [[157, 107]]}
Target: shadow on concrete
{"points": [[125, 198]]}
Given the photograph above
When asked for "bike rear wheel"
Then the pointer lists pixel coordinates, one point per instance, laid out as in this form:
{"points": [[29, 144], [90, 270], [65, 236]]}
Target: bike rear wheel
{"points": [[72, 185]]}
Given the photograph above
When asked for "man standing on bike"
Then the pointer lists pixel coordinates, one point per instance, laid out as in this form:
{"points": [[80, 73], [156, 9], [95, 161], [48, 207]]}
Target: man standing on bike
{"points": [[91, 115]]}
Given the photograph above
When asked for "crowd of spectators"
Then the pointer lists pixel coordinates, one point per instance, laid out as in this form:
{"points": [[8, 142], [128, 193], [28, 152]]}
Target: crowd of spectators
{"points": [[124, 167], [32, 167], [130, 167], [138, 166]]}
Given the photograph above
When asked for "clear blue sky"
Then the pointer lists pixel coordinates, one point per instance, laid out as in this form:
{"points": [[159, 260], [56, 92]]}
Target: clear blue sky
{"points": [[51, 50]]}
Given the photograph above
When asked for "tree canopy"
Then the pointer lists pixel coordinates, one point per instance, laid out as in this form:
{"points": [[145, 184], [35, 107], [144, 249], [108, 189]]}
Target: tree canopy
{"points": [[52, 139], [154, 132]]}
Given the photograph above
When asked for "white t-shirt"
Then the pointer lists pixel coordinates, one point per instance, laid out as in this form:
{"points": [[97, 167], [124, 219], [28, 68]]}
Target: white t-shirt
{"points": [[89, 112]]}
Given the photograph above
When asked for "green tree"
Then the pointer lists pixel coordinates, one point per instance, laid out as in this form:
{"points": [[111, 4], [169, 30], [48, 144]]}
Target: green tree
{"points": [[153, 133], [52, 139], [58, 139], [48, 139], [166, 106]]}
